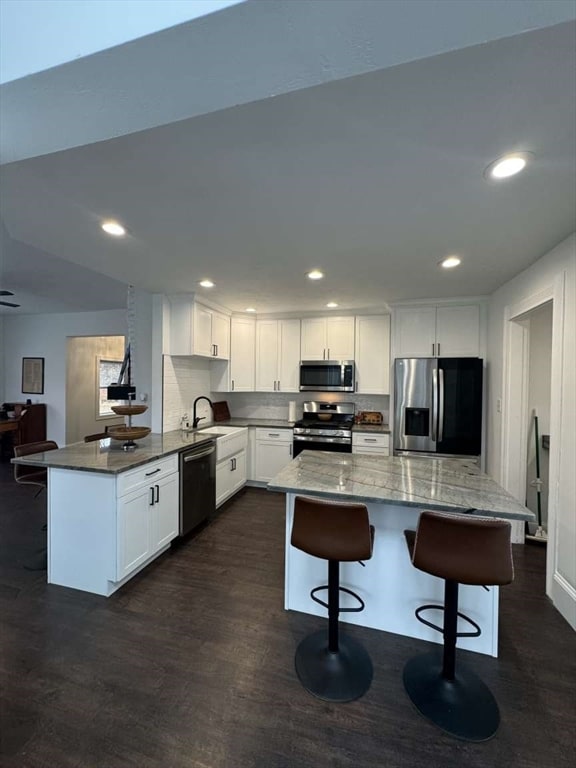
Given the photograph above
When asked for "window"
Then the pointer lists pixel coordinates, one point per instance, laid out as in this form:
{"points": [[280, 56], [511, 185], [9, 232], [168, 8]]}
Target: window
{"points": [[108, 372]]}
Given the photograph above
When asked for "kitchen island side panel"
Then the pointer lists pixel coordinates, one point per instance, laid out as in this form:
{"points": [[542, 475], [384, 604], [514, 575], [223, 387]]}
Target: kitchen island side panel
{"points": [[389, 584]]}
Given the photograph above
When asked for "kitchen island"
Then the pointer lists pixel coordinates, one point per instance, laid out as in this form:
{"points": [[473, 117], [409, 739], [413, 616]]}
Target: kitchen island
{"points": [[395, 490], [111, 512]]}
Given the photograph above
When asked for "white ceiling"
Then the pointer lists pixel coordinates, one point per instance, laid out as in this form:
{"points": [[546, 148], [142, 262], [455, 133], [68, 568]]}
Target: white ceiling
{"points": [[373, 178]]}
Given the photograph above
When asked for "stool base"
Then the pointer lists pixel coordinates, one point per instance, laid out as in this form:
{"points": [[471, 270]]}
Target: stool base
{"points": [[464, 707], [342, 676]]}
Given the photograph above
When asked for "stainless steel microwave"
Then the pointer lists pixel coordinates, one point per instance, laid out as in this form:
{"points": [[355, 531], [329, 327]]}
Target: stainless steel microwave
{"points": [[327, 376]]}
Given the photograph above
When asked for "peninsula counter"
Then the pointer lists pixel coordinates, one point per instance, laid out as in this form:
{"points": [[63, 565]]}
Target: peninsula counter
{"points": [[395, 490]]}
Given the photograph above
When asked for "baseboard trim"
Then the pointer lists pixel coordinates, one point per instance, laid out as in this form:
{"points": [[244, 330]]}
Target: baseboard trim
{"points": [[564, 599]]}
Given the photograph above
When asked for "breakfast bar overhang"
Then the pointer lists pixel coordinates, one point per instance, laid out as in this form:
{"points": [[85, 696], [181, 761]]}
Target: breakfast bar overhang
{"points": [[395, 491]]}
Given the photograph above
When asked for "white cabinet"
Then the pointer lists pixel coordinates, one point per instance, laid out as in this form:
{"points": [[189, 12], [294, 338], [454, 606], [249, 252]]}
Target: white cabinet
{"points": [[230, 476], [373, 355], [147, 513], [196, 329], [370, 442], [238, 374], [273, 451], [277, 355], [441, 331], [327, 338]]}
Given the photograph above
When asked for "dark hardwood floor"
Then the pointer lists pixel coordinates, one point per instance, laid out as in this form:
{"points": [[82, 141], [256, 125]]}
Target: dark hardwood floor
{"points": [[190, 665]]}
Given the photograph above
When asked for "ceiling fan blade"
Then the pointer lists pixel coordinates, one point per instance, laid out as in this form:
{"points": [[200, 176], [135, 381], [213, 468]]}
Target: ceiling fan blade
{"points": [[8, 304], [6, 293]]}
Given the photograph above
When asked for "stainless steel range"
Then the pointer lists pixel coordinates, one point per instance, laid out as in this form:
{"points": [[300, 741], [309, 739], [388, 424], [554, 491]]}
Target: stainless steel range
{"points": [[324, 427]]}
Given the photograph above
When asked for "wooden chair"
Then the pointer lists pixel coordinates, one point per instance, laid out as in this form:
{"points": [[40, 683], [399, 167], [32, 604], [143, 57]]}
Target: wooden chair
{"points": [[28, 475]]}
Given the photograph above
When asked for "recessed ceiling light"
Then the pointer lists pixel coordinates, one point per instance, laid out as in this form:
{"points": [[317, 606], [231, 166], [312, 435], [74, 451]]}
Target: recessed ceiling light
{"points": [[331, 305], [508, 165], [206, 283], [315, 274], [250, 309], [113, 228], [450, 261]]}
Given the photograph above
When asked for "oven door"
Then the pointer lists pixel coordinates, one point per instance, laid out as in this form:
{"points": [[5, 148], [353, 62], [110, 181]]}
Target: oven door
{"points": [[312, 443]]}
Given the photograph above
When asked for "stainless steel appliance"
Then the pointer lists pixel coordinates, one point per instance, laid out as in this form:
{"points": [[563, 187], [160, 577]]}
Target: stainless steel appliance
{"points": [[438, 406], [327, 376], [197, 485], [324, 427]]}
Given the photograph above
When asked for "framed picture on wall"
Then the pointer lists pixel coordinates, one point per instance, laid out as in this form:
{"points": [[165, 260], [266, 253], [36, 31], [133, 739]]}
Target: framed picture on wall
{"points": [[33, 375]]}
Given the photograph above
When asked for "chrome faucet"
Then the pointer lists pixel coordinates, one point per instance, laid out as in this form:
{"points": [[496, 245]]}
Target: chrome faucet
{"points": [[196, 419]]}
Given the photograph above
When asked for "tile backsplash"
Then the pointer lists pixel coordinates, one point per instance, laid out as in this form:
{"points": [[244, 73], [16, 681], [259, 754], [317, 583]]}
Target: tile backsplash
{"points": [[186, 378]]}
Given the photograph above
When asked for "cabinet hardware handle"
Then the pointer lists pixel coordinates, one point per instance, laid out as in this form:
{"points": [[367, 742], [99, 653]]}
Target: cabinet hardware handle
{"points": [[151, 503], [278, 386], [438, 349], [433, 345], [157, 499], [232, 385], [154, 471], [370, 440], [216, 345], [290, 449], [328, 355], [274, 386], [273, 434]]}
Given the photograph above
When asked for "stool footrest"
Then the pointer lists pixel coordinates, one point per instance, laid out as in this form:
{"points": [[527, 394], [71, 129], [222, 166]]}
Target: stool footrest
{"points": [[340, 609], [477, 631]]}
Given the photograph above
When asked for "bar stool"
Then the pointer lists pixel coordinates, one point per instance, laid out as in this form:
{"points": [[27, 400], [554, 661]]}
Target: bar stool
{"points": [[331, 666], [460, 550]]}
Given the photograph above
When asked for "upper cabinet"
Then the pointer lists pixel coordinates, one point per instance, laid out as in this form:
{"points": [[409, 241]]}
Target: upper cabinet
{"points": [[196, 329], [373, 355], [277, 355], [238, 374], [441, 331], [327, 338]]}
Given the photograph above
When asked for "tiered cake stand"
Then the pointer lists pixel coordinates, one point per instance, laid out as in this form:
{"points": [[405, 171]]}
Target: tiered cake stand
{"points": [[128, 433]]}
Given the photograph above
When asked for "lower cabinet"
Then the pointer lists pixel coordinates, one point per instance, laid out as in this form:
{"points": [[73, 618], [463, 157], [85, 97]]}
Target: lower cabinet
{"points": [[147, 513], [230, 476], [273, 451], [370, 442]]}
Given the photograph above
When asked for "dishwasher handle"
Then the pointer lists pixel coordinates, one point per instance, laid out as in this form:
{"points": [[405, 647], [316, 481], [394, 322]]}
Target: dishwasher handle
{"points": [[193, 455]]}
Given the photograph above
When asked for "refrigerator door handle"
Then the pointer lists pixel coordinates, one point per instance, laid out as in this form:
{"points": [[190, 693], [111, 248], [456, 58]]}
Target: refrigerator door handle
{"points": [[434, 403], [440, 405]]}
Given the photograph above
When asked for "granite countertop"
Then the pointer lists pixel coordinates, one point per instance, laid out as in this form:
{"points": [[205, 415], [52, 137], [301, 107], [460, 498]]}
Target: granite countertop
{"points": [[383, 429], [107, 455], [443, 484], [253, 422]]}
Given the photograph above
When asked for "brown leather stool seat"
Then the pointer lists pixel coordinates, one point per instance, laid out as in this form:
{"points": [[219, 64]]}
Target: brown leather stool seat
{"points": [[331, 666], [460, 550]]}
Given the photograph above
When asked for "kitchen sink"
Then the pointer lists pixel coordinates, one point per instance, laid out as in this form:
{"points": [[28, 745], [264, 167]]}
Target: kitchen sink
{"points": [[229, 440]]}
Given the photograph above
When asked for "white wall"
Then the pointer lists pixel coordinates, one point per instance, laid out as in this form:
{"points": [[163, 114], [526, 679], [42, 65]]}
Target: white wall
{"points": [[558, 267], [45, 336], [185, 379]]}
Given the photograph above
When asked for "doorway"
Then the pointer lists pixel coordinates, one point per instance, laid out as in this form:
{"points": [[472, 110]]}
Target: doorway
{"points": [[90, 362], [544, 308]]}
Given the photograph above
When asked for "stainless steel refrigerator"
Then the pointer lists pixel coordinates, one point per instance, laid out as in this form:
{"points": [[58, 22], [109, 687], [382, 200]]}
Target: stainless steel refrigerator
{"points": [[438, 406]]}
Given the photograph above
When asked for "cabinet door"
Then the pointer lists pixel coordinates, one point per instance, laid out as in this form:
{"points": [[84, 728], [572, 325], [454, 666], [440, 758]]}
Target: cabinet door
{"points": [[415, 331], [373, 355], [458, 331], [202, 331], [313, 345], [271, 457], [221, 335], [133, 530], [165, 512], [339, 338], [238, 474], [266, 355], [289, 355], [242, 354], [223, 480]]}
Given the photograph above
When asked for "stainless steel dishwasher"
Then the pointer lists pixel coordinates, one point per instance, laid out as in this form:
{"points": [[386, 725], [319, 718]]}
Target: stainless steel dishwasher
{"points": [[197, 485]]}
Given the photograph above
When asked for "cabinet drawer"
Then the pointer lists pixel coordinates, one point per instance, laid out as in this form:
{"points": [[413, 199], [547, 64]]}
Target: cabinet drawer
{"points": [[370, 440], [279, 435], [375, 449], [148, 473]]}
